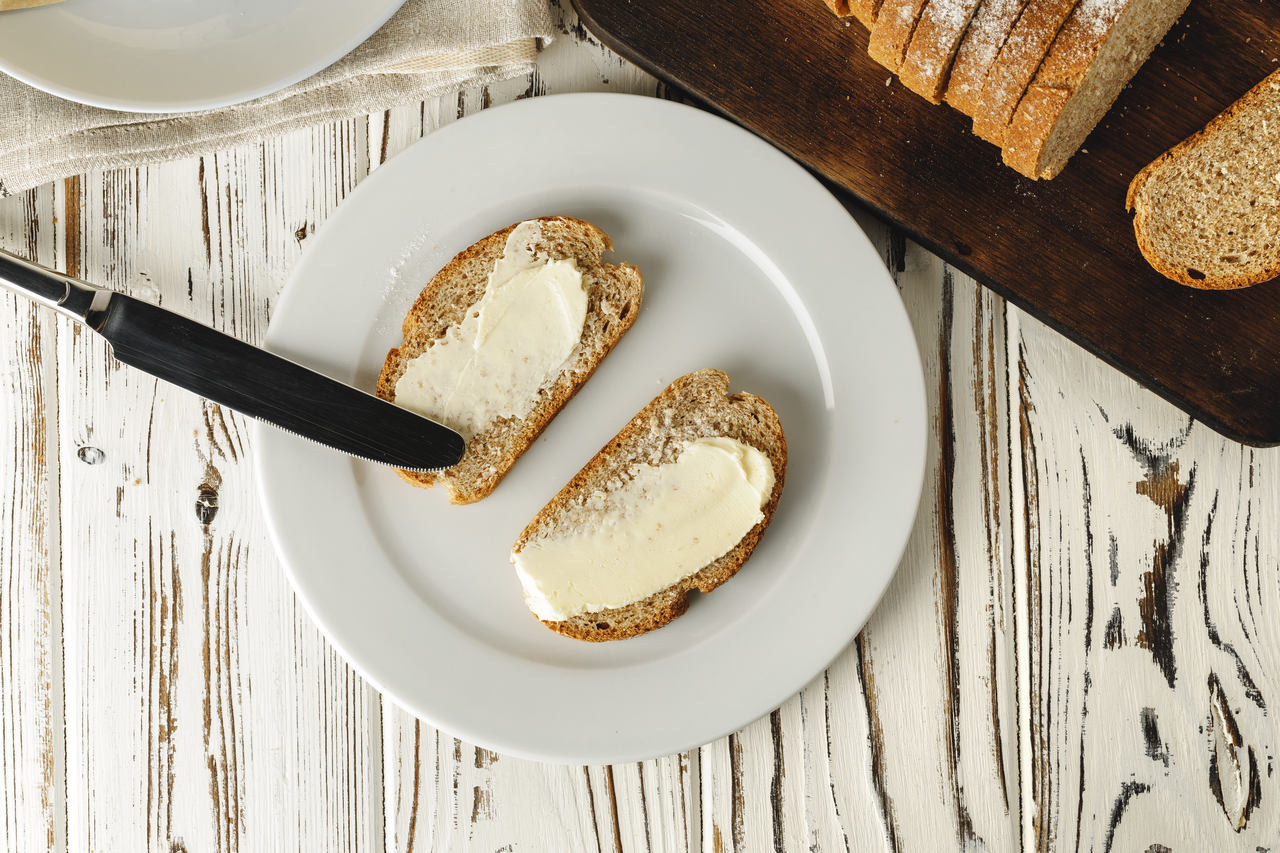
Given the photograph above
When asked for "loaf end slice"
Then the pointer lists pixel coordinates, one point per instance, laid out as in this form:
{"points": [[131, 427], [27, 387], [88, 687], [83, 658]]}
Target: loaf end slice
{"points": [[1207, 212], [697, 405], [1096, 53], [613, 292]]}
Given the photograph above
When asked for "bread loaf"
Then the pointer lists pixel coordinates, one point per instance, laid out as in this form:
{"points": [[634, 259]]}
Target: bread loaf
{"points": [[1098, 50], [1013, 69], [985, 36], [937, 37]]}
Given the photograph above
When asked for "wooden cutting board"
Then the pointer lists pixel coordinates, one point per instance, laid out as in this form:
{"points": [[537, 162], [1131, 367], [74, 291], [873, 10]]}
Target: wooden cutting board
{"points": [[1064, 249]]}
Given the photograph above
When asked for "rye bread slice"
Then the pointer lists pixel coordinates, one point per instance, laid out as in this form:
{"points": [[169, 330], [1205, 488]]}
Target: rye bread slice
{"points": [[982, 41], [613, 300], [1097, 52], [1207, 211], [697, 405], [937, 37], [1014, 68]]}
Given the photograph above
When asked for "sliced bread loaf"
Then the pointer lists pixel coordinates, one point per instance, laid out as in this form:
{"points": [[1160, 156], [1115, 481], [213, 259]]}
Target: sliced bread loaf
{"points": [[937, 37], [1013, 69], [695, 407], [1207, 212], [982, 41], [891, 33], [448, 309], [1098, 50]]}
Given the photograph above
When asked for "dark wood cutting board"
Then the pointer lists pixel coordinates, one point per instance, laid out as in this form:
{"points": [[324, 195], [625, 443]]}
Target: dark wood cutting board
{"points": [[1063, 249]]}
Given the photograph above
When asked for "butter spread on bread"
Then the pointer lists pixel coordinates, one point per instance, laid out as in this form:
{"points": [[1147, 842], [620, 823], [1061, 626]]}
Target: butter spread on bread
{"points": [[517, 293], [662, 525], [511, 343], [611, 519]]}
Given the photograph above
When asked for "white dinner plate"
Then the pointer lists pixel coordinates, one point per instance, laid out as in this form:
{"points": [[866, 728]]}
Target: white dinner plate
{"points": [[180, 55], [749, 266]]}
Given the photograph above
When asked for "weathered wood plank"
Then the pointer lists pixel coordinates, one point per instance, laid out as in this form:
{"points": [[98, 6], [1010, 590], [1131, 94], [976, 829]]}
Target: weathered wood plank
{"points": [[1152, 594], [937, 664], [31, 771], [204, 709]]}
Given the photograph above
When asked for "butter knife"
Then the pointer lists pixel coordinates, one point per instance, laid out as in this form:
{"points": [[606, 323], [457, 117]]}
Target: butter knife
{"points": [[241, 377]]}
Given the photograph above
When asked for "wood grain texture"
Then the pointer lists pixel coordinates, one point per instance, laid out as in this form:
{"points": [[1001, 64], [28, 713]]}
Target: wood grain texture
{"points": [[1151, 598], [202, 705], [31, 776], [898, 154], [1078, 652]]}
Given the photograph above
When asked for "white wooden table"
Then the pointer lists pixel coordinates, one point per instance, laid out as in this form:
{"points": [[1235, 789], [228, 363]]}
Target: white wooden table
{"points": [[1079, 651]]}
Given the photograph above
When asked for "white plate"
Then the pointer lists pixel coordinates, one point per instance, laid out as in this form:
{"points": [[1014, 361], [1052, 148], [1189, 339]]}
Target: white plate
{"points": [[749, 266], [179, 55]]}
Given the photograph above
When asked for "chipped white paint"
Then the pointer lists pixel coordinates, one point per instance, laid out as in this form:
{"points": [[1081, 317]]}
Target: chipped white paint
{"points": [[1079, 651]]}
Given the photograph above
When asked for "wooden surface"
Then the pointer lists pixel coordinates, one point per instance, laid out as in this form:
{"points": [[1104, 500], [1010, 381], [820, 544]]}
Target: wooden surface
{"points": [[1079, 651], [1062, 250]]}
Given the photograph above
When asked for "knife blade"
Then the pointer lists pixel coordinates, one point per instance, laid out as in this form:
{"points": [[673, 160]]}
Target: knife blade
{"points": [[242, 377]]}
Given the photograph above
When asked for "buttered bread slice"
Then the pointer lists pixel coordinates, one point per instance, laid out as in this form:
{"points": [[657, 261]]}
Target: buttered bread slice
{"points": [[502, 337], [675, 502]]}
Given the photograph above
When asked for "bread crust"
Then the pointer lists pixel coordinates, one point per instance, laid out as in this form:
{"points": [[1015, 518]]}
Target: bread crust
{"points": [[1014, 68], [696, 405], [937, 37], [981, 45], [865, 11], [1135, 201], [891, 34], [615, 290]]}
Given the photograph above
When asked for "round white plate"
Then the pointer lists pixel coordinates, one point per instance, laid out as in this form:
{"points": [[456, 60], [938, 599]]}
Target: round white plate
{"points": [[180, 55], [749, 266]]}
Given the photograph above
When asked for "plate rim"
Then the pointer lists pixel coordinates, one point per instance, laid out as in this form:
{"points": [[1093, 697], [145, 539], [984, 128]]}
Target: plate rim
{"points": [[132, 104], [915, 477]]}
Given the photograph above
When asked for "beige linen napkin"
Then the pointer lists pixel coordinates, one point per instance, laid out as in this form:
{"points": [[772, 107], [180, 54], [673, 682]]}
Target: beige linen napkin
{"points": [[428, 47]]}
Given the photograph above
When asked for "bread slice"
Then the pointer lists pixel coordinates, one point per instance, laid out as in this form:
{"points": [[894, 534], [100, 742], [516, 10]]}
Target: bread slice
{"points": [[697, 405], [895, 22], [839, 7], [1098, 50], [986, 35], [1019, 59], [613, 300], [937, 37], [1207, 212]]}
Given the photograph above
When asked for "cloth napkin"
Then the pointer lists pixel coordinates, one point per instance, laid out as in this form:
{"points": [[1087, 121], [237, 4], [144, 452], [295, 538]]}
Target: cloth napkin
{"points": [[426, 48]]}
